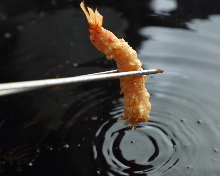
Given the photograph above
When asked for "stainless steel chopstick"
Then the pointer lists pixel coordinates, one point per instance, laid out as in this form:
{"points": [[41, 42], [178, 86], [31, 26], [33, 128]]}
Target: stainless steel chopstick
{"points": [[16, 87]]}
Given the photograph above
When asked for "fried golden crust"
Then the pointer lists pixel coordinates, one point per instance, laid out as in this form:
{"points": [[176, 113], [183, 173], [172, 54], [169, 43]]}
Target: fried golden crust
{"points": [[136, 98]]}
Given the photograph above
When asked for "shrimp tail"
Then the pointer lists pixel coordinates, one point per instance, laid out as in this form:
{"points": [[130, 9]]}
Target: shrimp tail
{"points": [[94, 18]]}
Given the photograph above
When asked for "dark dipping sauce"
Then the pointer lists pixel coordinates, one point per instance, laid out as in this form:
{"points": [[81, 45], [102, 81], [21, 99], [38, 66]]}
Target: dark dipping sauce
{"points": [[73, 129]]}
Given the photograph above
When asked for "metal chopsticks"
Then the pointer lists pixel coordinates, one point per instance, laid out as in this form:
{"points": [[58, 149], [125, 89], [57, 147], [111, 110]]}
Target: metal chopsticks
{"points": [[16, 87]]}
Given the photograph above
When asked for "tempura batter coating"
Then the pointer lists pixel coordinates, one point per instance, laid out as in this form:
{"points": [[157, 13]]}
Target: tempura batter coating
{"points": [[136, 98]]}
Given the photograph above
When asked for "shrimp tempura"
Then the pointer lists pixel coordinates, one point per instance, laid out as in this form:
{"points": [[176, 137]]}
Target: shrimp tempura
{"points": [[136, 98]]}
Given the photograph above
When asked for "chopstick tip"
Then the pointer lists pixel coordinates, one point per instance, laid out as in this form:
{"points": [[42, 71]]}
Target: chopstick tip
{"points": [[160, 70]]}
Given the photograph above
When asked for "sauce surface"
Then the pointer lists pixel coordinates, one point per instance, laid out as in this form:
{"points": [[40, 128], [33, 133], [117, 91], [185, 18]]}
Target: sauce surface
{"points": [[73, 129]]}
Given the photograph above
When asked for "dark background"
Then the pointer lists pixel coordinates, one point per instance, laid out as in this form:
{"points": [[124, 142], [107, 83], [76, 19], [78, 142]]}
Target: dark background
{"points": [[42, 39]]}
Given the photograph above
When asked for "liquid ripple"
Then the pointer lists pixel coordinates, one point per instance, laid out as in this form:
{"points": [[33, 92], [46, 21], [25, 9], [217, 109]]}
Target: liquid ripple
{"points": [[141, 151]]}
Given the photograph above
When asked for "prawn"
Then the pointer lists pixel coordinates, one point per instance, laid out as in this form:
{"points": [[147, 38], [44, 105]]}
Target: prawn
{"points": [[136, 98]]}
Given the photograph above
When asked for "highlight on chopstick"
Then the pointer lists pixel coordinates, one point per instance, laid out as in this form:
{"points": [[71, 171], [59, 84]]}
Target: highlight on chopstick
{"points": [[136, 98]]}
